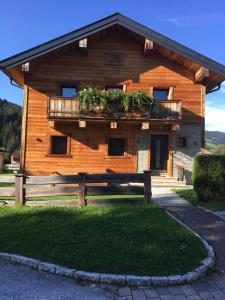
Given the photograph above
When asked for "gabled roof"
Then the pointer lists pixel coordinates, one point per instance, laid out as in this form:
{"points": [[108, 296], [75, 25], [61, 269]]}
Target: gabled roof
{"points": [[114, 19]]}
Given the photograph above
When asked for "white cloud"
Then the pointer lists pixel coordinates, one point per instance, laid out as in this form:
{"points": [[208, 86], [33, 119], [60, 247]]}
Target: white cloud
{"points": [[196, 20], [215, 118], [222, 88]]}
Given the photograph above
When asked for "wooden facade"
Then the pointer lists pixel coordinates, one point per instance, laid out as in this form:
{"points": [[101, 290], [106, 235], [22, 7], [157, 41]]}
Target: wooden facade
{"points": [[142, 65]]}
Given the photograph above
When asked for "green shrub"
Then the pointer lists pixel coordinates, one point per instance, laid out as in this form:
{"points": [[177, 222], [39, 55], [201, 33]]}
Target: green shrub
{"points": [[94, 99], [209, 177]]}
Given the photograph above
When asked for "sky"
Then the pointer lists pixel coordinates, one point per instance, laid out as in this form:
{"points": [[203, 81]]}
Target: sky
{"points": [[199, 25]]}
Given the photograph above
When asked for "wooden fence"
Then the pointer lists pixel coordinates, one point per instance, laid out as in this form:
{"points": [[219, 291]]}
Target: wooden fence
{"points": [[81, 185]]}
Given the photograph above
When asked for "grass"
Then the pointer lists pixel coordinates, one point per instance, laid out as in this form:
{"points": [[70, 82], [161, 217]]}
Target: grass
{"points": [[190, 195], [114, 239], [7, 174], [74, 197]]}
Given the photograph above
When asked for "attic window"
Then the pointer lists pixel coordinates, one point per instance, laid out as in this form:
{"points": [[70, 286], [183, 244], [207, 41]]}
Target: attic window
{"points": [[68, 91], [114, 58], [160, 94]]}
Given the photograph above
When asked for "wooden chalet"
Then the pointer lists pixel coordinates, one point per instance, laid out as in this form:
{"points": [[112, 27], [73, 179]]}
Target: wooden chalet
{"points": [[113, 53]]}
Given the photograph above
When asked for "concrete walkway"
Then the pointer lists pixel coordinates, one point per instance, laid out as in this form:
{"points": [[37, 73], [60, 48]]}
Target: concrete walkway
{"points": [[22, 283]]}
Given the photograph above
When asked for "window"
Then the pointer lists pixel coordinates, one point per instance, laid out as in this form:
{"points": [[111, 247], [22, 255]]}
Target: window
{"points": [[182, 142], [112, 88], [160, 94], [68, 91], [116, 147], [58, 145]]}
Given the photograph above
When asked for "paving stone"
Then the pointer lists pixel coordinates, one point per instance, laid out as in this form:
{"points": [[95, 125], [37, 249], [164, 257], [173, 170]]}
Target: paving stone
{"points": [[175, 290], [188, 290], [126, 298], [124, 291], [179, 297], [138, 294], [162, 291], [205, 295], [166, 297], [220, 284], [151, 293], [193, 298], [218, 295]]}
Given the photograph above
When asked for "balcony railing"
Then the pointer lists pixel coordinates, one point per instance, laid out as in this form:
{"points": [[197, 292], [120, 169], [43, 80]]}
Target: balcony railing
{"points": [[69, 108]]}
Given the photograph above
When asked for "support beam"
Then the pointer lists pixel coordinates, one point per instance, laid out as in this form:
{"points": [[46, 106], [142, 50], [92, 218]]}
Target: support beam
{"points": [[51, 124], [83, 43], [82, 123], [148, 46], [201, 74], [113, 125], [26, 67], [145, 126]]}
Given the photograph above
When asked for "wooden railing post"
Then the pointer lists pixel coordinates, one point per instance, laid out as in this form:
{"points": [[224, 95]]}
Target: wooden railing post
{"points": [[147, 187], [82, 201], [19, 189]]}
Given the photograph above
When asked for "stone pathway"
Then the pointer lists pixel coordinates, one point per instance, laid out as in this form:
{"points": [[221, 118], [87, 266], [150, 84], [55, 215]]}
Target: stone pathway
{"points": [[210, 227]]}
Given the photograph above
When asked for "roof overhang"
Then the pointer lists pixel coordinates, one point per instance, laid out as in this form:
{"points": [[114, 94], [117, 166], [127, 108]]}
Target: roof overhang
{"points": [[28, 55]]}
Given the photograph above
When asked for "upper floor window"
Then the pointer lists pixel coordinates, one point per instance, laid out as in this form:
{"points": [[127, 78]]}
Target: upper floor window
{"points": [[160, 94], [68, 91], [112, 88], [58, 145]]}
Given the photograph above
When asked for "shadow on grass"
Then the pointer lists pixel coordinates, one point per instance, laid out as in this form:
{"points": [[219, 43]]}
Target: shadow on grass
{"points": [[113, 239]]}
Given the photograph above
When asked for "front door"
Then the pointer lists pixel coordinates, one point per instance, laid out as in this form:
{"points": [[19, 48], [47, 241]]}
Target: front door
{"points": [[159, 152]]}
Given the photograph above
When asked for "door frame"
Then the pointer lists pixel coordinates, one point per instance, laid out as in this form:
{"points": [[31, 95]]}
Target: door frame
{"points": [[169, 151]]}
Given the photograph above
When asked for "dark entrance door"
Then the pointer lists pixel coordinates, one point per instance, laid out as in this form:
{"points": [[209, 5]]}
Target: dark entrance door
{"points": [[159, 152]]}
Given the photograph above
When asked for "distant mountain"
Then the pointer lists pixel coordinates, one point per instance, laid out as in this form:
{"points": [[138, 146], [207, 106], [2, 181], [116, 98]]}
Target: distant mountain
{"points": [[10, 125], [215, 137]]}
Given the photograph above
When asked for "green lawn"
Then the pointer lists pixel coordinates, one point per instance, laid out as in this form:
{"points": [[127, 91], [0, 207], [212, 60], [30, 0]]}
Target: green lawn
{"points": [[126, 239], [189, 195], [74, 197]]}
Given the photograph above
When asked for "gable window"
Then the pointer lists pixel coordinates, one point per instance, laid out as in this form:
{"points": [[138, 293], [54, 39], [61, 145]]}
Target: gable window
{"points": [[182, 142], [160, 94], [59, 145], [68, 91], [116, 147], [113, 88]]}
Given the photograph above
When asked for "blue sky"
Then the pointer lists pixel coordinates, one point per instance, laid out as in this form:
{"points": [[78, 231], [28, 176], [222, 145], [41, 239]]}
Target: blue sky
{"points": [[199, 25]]}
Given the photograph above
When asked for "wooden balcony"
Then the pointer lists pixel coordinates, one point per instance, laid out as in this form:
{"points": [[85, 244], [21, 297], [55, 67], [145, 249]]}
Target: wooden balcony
{"points": [[69, 108]]}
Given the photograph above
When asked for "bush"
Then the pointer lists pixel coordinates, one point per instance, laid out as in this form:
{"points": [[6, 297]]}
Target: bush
{"points": [[209, 177]]}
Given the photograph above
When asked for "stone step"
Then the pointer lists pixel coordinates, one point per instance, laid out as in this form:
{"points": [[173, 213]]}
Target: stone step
{"points": [[170, 184]]}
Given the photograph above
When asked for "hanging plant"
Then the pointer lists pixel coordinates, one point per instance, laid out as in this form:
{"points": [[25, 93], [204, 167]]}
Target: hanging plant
{"points": [[93, 99]]}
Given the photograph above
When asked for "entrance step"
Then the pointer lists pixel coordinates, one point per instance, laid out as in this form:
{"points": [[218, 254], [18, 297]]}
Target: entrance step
{"points": [[162, 181]]}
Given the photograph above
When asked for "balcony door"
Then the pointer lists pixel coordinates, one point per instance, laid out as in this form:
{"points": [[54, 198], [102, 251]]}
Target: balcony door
{"points": [[159, 152]]}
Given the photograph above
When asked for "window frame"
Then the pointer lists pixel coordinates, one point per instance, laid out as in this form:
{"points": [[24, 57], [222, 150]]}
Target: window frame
{"points": [[161, 89], [183, 138], [68, 148], [67, 86], [125, 147]]}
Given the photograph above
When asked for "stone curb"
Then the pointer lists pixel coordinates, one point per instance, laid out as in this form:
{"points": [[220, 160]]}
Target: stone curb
{"points": [[118, 279]]}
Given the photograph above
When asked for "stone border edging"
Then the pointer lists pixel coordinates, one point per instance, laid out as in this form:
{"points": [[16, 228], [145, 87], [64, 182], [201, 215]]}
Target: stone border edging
{"points": [[129, 280]]}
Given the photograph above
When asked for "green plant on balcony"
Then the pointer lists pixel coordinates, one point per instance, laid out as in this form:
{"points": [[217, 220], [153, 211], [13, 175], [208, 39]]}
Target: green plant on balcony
{"points": [[93, 99]]}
